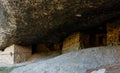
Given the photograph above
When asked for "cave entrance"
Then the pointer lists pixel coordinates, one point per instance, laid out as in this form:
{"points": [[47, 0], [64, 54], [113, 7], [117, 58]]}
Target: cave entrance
{"points": [[45, 50], [98, 37], [94, 37], [97, 40], [86, 39]]}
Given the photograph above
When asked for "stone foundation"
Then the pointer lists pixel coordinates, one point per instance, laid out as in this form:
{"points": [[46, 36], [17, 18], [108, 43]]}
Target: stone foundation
{"points": [[113, 33], [72, 43], [15, 54]]}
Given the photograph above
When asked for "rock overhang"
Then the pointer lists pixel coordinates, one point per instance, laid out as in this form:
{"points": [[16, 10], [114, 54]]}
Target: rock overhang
{"points": [[51, 21]]}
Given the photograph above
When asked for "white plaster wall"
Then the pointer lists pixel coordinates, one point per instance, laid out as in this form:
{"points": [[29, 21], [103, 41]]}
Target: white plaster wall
{"points": [[15, 54], [7, 56]]}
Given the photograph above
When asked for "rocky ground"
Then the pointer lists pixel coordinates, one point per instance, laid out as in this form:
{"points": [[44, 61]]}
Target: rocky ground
{"points": [[73, 62], [111, 68]]}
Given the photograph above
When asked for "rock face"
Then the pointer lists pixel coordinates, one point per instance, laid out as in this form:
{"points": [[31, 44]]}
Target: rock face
{"points": [[27, 22]]}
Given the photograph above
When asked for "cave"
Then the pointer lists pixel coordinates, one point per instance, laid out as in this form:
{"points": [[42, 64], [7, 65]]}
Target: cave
{"points": [[105, 35], [59, 25]]}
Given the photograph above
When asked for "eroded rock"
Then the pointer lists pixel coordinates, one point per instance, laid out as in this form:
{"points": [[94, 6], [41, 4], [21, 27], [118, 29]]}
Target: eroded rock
{"points": [[27, 22]]}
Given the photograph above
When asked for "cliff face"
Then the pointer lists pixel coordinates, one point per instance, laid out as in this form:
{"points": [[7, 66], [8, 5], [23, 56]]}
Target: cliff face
{"points": [[27, 22]]}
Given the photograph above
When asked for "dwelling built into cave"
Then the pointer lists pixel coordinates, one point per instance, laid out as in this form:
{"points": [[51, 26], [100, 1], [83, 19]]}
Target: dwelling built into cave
{"points": [[15, 54], [56, 25], [107, 35]]}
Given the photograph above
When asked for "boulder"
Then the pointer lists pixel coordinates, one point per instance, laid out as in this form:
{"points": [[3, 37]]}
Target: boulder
{"points": [[77, 62]]}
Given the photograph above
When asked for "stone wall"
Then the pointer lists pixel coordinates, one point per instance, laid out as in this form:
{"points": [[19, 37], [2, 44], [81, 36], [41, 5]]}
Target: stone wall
{"points": [[45, 51], [83, 40], [89, 41], [15, 54], [113, 33], [71, 43], [22, 54]]}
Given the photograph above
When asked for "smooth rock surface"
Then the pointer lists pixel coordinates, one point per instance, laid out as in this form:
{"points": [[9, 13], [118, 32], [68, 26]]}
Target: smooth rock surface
{"points": [[74, 62]]}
